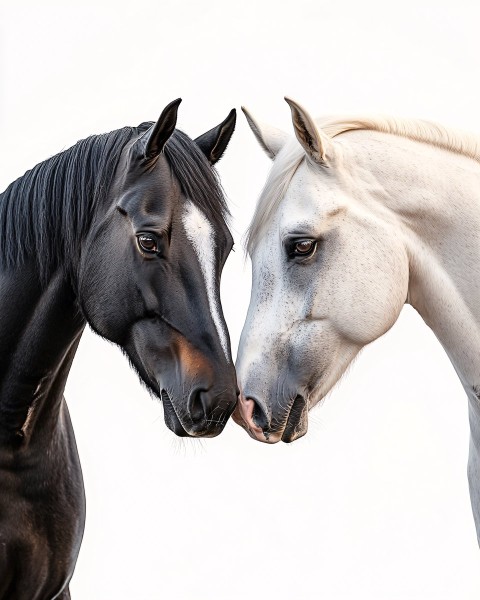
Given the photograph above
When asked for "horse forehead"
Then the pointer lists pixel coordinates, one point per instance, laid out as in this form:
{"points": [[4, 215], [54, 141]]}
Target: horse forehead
{"points": [[151, 192], [198, 228], [311, 195]]}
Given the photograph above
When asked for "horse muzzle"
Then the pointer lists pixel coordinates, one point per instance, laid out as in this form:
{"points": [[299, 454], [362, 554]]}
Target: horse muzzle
{"points": [[204, 414], [197, 384]]}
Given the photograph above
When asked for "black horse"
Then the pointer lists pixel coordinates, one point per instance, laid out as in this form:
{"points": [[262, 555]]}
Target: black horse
{"points": [[125, 231]]}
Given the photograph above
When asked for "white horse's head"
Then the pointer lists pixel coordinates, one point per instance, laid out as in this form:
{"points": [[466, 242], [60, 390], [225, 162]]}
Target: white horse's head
{"points": [[330, 275]]}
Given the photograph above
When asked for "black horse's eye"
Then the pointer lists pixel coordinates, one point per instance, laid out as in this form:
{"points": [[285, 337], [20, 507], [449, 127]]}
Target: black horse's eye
{"points": [[304, 247], [147, 243]]}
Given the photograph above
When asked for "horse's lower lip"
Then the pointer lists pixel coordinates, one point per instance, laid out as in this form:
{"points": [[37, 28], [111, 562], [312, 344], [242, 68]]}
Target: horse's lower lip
{"points": [[297, 422], [171, 418]]}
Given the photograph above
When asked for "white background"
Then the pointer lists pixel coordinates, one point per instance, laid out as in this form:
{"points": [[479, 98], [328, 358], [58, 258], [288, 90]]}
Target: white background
{"points": [[373, 503]]}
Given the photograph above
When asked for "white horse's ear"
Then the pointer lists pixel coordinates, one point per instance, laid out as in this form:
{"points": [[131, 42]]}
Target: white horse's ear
{"points": [[315, 143], [270, 138]]}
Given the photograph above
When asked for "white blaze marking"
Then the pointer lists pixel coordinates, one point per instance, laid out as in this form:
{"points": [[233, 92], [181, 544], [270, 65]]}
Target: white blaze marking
{"points": [[200, 233]]}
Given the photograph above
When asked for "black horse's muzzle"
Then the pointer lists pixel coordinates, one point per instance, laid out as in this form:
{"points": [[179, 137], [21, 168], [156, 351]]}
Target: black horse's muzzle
{"points": [[195, 380], [204, 414]]}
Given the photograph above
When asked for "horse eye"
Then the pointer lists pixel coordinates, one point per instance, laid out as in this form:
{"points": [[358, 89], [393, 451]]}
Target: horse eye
{"points": [[147, 243], [304, 247]]}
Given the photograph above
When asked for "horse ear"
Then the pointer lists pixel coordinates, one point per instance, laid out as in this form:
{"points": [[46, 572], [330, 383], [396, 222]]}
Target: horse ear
{"points": [[315, 143], [213, 143], [158, 135], [270, 138]]}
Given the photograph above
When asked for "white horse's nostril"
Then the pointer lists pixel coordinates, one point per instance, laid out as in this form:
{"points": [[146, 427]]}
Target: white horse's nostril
{"points": [[244, 415], [245, 410]]}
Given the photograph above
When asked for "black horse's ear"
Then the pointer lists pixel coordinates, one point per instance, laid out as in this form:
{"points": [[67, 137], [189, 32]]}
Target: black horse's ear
{"points": [[159, 135], [214, 143]]}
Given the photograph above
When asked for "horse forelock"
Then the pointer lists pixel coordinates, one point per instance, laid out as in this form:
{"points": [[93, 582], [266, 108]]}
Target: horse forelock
{"points": [[198, 180], [283, 169]]}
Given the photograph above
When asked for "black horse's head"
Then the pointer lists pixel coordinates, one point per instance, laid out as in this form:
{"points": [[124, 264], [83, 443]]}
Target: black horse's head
{"points": [[150, 271]]}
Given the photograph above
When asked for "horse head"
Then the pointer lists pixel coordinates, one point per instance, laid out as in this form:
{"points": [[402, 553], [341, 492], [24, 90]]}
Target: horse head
{"points": [[329, 275], [149, 275]]}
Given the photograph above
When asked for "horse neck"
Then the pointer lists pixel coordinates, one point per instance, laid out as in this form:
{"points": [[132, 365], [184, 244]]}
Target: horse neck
{"points": [[434, 195], [40, 329]]}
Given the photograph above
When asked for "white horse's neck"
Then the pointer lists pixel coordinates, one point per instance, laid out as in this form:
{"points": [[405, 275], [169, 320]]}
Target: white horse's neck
{"points": [[434, 196]]}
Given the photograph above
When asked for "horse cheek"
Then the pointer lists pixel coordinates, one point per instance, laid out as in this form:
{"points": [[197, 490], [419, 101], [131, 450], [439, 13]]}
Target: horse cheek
{"points": [[373, 295], [107, 287]]}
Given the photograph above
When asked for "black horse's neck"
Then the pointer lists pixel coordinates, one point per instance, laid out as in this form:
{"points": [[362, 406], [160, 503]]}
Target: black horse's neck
{"points": [[44, 217], [40, 327]]}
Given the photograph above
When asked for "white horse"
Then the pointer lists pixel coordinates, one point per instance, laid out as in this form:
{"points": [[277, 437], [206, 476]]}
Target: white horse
{"points": [[358, 217]]}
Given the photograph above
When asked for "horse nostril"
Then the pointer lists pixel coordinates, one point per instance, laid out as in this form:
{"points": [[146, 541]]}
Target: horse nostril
{"points": [[196, 406], [259, 417]]}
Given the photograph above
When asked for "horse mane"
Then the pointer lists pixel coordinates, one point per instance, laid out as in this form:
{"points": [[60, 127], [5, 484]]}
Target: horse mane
{"points": [[413, 129], [292, 155], [47, 212]]}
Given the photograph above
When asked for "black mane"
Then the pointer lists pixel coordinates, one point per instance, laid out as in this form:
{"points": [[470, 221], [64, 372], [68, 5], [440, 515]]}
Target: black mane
{"points": [[47, 212]]}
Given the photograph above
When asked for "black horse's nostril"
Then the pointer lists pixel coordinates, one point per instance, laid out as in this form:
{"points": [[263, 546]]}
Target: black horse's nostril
{"points": [[259, 417], [196, 405]]}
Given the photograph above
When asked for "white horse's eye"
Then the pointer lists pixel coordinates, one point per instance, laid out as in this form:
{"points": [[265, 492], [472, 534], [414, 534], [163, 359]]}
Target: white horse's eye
{"points": [[301, 248], [304, 247]]}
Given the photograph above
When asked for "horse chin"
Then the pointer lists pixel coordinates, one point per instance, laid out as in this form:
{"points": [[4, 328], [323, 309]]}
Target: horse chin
{"points": [[289, 435]]}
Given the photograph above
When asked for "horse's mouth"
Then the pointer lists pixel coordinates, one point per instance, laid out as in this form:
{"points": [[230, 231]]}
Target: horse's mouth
{"points": [[297, 422]]}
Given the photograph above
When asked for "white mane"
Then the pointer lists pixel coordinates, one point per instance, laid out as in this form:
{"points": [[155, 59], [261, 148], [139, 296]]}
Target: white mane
{"points": [[292, 155]]}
